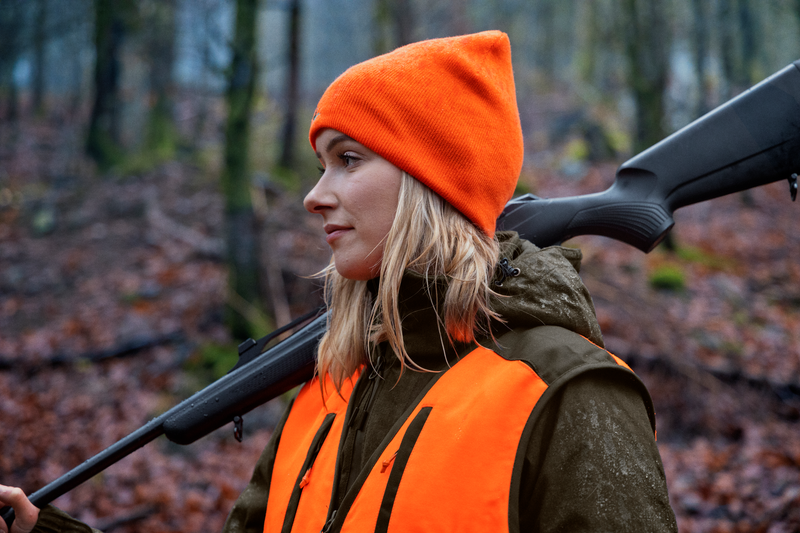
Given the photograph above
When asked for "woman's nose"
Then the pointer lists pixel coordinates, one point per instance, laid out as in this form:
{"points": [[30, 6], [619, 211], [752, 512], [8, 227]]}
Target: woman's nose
{"points": [[319, 198]]}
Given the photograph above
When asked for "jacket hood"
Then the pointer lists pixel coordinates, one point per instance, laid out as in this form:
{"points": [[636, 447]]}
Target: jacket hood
{"points": [[547, 291]]}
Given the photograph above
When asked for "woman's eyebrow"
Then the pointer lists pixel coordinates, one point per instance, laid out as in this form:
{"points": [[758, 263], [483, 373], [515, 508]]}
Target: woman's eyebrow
{"points": [[336, 140]]}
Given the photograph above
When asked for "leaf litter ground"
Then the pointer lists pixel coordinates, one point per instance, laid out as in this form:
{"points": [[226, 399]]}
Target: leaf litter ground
{"points": [[111, 289]]}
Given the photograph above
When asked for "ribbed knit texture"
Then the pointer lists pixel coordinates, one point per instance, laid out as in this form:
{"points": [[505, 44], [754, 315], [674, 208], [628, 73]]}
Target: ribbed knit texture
{"points": [[443, 110]]}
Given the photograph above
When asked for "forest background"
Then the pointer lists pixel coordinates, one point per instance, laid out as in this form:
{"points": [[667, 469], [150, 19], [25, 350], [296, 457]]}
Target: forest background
{"points": [[153, 160]]}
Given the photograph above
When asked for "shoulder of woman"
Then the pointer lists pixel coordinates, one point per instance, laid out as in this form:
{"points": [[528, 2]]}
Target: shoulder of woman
{"points": [[559, 356]]}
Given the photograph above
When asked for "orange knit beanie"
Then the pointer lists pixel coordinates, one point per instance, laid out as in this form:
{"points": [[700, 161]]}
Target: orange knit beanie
{"points": [[443, 110]]}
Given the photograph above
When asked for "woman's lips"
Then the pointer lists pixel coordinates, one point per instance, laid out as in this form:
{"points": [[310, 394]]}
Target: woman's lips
{"points": [[334, 232]]}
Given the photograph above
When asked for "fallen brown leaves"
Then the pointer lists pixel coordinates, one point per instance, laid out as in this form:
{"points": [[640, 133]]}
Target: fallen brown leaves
{"points": [[138, 257], [126, 259]]}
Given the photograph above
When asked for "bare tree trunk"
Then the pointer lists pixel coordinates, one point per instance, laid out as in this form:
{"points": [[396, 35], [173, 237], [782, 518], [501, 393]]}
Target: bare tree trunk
{"points": [[381, 23], [292, 87], [646, 46], [546, 26], [243, 274], [750, 44], [404, 22], [102, 143], [10, 15], [161, 135], [701, 39], [647, 51], [39, 68], [459, 17], [728, 47], [394, 24]]}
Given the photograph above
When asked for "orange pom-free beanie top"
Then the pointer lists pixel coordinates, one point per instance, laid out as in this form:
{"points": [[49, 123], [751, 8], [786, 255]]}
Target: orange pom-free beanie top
{"points": [[443, 110]]}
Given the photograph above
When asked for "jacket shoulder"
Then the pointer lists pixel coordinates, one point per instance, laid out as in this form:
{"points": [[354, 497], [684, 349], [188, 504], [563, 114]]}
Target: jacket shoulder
{"points": [[557, 355]]}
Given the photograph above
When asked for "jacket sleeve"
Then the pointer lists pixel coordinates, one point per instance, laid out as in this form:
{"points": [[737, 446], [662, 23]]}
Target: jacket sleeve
{"points": [[54, 520], [250, 510], [592, 463]]}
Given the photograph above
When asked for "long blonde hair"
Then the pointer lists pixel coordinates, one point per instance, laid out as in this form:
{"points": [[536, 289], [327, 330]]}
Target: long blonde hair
{"points": [[430, 237]]}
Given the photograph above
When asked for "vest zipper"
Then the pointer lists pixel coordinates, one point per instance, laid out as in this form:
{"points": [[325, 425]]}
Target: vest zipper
{"points": [[332, 524], [305, 481], [388, 461], [400, 459], [327, 527], [359, 417]]}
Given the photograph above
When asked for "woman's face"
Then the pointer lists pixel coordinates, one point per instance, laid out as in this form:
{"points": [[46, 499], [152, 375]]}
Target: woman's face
{"points": [[357, 198]]}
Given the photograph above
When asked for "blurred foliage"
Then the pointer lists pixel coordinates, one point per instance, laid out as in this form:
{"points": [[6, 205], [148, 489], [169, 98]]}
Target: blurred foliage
{"points": [[668, 276], [708, 259], [212, 361]]}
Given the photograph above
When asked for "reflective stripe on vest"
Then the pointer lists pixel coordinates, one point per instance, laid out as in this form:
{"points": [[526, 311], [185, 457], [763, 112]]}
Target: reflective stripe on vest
{"points": [[448, 468]]}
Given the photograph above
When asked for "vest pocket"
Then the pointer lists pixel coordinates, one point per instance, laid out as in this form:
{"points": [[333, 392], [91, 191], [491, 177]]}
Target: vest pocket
{"points": [[399, 466], [305, 472]]}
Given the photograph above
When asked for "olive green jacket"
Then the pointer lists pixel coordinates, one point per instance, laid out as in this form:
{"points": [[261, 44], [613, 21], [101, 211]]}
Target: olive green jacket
{"points": [[590, 461]]}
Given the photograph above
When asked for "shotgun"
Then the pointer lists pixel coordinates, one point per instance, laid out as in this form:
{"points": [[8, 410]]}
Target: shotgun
{"points": [[752, 140]]}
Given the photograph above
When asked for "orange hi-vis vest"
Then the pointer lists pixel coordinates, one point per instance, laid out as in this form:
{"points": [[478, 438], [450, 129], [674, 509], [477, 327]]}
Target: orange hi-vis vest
{"points": [[448, 467]]}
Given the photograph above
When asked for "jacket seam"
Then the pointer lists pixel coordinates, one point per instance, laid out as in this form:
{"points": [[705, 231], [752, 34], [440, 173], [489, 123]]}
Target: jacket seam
{"points": [[552, 389]]}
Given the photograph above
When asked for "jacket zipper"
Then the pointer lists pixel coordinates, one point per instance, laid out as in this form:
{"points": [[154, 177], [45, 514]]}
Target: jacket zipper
{"points": [[357, 420], [327, 527], [400, 459], [359, 417]]}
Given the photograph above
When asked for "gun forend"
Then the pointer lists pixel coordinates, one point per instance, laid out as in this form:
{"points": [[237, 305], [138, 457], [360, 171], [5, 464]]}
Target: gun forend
{"points": [[752, 140]]}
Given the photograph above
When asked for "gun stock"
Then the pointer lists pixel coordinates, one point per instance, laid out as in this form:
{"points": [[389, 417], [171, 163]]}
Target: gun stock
{"points": [[761, 132], [752, 140]]}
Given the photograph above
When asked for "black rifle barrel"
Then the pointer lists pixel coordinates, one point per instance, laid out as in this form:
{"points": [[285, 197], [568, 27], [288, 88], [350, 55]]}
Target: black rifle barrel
{"points": [[752, 140]]}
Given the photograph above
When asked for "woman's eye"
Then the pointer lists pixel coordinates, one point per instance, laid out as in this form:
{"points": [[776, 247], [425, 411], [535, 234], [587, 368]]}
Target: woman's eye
{"points": [[348, 159], [321, 170]]}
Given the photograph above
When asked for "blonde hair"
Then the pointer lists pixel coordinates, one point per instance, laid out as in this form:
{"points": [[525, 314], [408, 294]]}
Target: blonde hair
{"points": [[430, 237]]}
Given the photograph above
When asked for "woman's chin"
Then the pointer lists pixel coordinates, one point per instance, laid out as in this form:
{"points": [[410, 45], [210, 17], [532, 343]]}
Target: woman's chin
{"points": [[356, 272]]}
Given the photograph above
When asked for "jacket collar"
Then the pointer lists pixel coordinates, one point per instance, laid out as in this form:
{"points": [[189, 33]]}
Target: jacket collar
{"points": [[547, 290]]}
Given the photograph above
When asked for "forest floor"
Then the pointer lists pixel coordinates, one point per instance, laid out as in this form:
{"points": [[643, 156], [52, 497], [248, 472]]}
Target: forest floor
{"points": [[111, 298]]}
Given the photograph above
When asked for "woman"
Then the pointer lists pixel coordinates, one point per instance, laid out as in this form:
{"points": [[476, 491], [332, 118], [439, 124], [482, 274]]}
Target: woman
{"points": [[463, 386], [462, 381]]}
